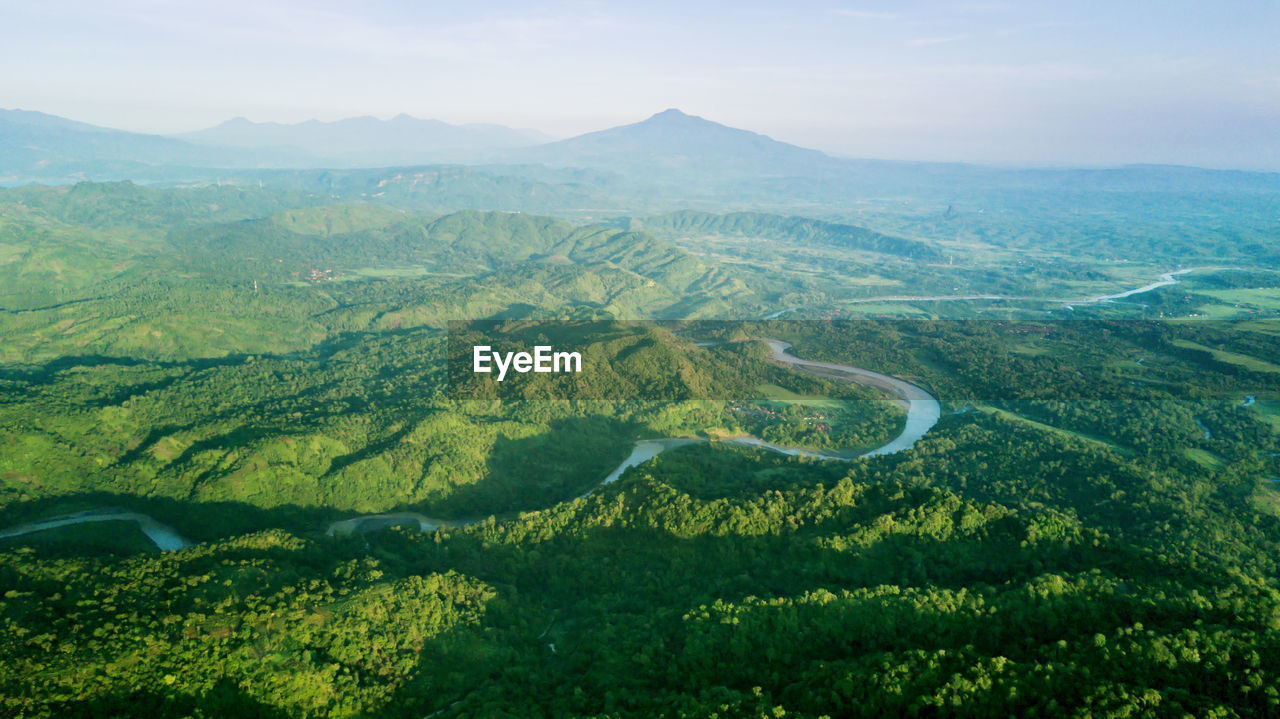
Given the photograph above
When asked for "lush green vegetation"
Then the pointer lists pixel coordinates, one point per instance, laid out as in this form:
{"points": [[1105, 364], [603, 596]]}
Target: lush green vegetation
{"points": [[363, 426], [113, 269], [799, 230], [1091, 529], [826, 424], [947, 578]]}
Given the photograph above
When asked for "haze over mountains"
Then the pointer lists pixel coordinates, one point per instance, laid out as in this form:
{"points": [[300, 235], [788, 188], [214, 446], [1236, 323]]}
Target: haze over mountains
{"points": [[368, 141], [672, 141], [38, 146], [667, 161]]}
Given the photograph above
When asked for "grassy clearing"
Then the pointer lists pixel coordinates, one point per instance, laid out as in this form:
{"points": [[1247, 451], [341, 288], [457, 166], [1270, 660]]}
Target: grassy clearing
{"points": [[1266, 498], [1120, 449], [1269, 411], [1263, 298], [1218, 312], [1204, 458], [885, 309], [1246, 361], [1266, 327], [782, 394], [361, 273], [1031, 349]]}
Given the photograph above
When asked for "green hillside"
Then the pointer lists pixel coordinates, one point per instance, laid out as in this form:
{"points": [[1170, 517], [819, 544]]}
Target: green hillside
{"points": [[175, 274], [1089, 529], [796, 230]]}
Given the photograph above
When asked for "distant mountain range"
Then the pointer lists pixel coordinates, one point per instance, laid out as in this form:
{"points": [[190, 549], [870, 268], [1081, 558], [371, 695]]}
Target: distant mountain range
{"points": [[668, 160], [667, 146], [36, 146], [368, 141]]}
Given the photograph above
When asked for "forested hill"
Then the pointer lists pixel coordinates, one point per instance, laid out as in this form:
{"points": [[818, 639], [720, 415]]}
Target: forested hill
{"points": [[247, 365], [343, 240], [801, 230], [349, 237], [35, 144], [125, 204], [442, 188], [182, 273]]}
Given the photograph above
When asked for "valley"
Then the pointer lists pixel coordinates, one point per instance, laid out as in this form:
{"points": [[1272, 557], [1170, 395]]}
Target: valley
{"points": [[851, 438], [922, 414]]}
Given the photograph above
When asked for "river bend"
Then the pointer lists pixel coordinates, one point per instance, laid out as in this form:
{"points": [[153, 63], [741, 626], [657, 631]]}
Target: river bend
{"points": [[923, 412]]}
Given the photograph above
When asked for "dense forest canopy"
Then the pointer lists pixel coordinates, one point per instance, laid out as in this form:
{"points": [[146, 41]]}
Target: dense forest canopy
{"points": [[1091, 528]]}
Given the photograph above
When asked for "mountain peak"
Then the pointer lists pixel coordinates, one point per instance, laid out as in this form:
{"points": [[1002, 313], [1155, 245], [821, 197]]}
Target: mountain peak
{"points": [[677, 143], [671, 114]]}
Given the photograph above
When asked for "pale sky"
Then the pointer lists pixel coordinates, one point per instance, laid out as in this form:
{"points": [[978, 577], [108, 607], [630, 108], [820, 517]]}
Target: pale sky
{"points": [[1074, 83]]}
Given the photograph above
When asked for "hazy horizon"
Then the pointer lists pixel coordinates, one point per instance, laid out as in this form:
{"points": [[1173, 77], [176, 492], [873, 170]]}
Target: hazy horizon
{"points": [[988, 83]]}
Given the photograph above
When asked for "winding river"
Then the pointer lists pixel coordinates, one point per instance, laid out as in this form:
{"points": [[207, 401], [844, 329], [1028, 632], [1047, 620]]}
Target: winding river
{"points": [[923, 412], [1166, 279], [162, 535]]}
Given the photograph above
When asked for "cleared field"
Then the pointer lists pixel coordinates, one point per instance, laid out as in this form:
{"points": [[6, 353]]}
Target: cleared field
{"points": [[1217, 311], [398, 272], [1269, 410], [776, 392], [885, 309], [1266, 298], [1240, 360], [1266, 498], [1266, 327], [1204, 458], [1050, 428]]}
